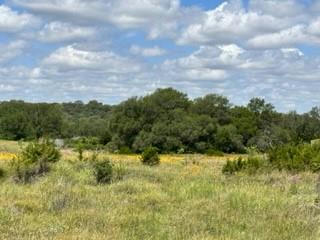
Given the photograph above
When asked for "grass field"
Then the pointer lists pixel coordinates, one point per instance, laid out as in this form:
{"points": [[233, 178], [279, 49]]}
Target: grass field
{"points": [[9, 146], [185, 197]]}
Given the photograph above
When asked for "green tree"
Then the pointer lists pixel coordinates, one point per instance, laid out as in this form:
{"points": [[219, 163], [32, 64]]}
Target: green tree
{"points": [[215, 106]]}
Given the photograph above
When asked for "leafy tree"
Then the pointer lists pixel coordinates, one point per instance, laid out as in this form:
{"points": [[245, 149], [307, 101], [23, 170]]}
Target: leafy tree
{"points": [[258, 106], [215, 106], [228, 140], [246, 122], [166, 119]]}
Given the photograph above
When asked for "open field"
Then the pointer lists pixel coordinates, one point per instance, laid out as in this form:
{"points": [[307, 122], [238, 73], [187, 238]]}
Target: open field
{"points": [[9, 146], [185, 197]]}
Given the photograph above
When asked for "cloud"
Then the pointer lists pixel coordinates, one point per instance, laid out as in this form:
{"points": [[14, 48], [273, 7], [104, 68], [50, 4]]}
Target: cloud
{"points": [[259, 26], [282, 76], [85, 49], [157, 17], [281, 9], [314, 27], [298, 34], [147, 52], [70, 58], [61, 32], [211, 58], [230, 23], [12, 21], [287, 37], [11, 50], [202, 65]]}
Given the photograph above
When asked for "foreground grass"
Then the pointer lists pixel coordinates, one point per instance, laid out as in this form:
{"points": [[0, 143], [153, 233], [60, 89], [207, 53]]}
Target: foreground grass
{"points": [[183, 198]]}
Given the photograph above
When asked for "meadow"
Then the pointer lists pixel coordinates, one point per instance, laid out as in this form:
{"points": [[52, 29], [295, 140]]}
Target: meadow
{"points": [[185, 197]]}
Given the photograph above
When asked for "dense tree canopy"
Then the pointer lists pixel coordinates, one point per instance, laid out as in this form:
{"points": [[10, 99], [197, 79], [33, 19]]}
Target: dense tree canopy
{"points": [[166, 119]]}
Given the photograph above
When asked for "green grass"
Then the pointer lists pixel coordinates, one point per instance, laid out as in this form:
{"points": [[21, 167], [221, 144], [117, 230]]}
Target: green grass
{"points": [[176, 200]]}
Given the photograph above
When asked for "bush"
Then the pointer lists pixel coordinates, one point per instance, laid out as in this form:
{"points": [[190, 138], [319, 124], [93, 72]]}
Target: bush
{"points": [[214, 152], [35, 160], [254, 163], [232, 167], [150, 156], [250, 165], [103, 171], [296, 158], [289, 157], [86, 143], [125, 151]]}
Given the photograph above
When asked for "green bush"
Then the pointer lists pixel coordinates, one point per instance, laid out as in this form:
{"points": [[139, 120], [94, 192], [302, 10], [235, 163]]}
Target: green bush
{"points": [[86, 143], [289, 157], [103, 171], [254, 163], [214, 152], [232, 167], [296, 158], [250, 165], [35, 160], [150, 156], [125, 151]]}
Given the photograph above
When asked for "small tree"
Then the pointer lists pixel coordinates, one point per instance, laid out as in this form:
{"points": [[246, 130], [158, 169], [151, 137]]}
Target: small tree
{"points": [[103, 171], [150, 156], [35, 160]]}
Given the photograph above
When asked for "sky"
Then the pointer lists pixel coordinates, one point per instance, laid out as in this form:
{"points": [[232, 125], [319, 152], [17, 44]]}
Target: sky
{"points": [[110, 50]]}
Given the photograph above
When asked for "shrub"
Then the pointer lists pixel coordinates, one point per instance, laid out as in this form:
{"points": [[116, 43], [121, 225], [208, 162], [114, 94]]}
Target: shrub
{"points": [[254, 163], [289, 157], [150, 156], [296, 158], [232, 167], [103, 171], [214, 152], [86, 143], [250, 165], [125, 151], [35, 160]]}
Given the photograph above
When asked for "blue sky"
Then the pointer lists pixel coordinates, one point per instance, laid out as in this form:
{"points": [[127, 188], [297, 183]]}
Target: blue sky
{"points": [[109, 50]]}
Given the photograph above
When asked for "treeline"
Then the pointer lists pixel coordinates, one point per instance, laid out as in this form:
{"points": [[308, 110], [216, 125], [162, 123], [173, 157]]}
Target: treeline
{"points": [[166, 119]]}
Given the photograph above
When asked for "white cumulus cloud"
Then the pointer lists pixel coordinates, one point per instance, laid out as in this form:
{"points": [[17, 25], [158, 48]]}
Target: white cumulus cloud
{"points": [[70, 58], [13, 21]]}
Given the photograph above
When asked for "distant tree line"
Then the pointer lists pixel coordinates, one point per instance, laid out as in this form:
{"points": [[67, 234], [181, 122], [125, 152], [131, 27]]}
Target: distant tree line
{"points": [[166, 119]]}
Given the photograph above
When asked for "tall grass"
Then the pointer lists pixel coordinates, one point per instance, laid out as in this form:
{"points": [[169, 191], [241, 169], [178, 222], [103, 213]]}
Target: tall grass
{"points": [[176, 200]]}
